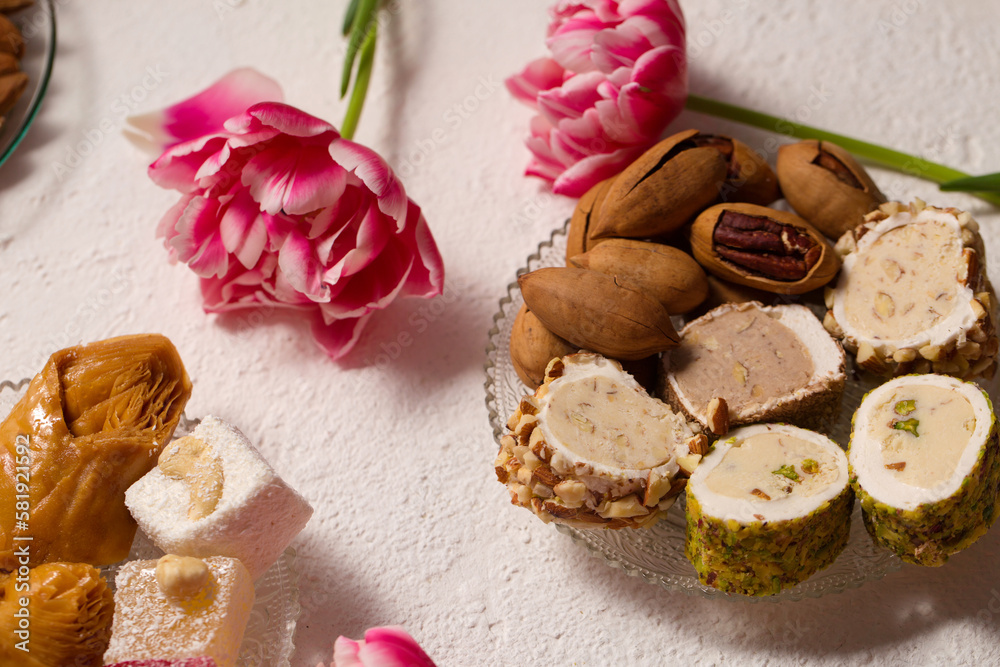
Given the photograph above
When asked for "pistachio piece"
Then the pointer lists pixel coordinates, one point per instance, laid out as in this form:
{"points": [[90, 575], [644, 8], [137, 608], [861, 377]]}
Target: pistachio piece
{"points": [[763, 248], [666, 273], [594, 311], [826, 186], [663, 189]]}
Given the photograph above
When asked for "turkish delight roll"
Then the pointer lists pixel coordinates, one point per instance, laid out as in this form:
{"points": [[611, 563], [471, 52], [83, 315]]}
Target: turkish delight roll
{"points": [[768, 363], [212, 493], [913, 296], [925, 464], [592, 449], [768, 507]]}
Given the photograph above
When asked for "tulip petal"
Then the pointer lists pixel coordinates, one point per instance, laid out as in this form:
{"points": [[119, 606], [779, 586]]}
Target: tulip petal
{"points": [[281, 117], [381, 647], [426, 278], [204, 113], [242, 229], [624, 80], [375, 173], [337, 338], [538, 75], [293, 179]]}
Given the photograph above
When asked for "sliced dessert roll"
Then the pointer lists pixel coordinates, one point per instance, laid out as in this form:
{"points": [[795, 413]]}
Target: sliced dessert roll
{"points": [[767, 363], [925, 464], [767, 508], [591, 448], [913, 295]]}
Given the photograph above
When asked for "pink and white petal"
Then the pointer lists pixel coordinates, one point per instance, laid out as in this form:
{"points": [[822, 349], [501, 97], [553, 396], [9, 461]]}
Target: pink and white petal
{"points": [[282, 117], [298, 266], [197, 242], [292, 178], [576, 95], [575, 181], [345, 651], [540, 74], [351, 256], [620, 47], [392, 647], [571, 43], [375, 173], [376, 286], [178, 167], [206, 112], [167, 228], [617, 116], [426, 278], [337, 338], [243, 231]]}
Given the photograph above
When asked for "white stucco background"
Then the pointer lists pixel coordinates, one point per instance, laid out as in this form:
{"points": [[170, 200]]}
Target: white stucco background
{"points": [[395, 452]]}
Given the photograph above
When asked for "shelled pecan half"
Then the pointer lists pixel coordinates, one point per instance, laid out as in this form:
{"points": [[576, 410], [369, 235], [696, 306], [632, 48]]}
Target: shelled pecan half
{"points": [[764, 248]]}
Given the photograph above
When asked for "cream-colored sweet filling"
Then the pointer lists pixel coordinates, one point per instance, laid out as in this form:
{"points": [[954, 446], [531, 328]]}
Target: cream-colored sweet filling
{"points": [[746, 357], [774, 465], [924, 429], [601, 420], [905, 282]]}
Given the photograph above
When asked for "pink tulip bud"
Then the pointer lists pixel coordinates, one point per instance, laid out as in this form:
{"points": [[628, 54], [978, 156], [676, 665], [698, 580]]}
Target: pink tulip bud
{"points": [[381, 647]]}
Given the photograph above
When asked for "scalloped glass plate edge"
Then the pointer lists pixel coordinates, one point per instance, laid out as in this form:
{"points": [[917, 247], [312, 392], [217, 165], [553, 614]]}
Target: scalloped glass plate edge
{"points": [[37, 21], [859, 563], [269, 640]]}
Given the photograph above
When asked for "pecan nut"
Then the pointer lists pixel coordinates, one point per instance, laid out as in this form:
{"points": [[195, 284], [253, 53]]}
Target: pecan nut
{"points": [[763, 248], [663, 189], [826, 186]]}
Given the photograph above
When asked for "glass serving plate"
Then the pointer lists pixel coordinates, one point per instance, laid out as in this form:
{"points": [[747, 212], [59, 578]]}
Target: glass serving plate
{"points": [[269, 637], [38, 25], [657, 554]]}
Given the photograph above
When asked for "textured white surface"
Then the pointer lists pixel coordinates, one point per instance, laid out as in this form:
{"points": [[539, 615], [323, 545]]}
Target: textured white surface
{"points": [[393, 448]]}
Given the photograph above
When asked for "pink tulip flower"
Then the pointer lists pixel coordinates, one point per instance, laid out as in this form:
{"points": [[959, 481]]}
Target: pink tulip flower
{"points": [[381, 647], [616, 77], [277, 209]]}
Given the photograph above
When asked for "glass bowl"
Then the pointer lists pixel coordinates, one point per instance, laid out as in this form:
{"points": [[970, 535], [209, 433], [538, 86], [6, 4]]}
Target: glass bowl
{"points": [[38, 25], [657, 554], [269, 637]]}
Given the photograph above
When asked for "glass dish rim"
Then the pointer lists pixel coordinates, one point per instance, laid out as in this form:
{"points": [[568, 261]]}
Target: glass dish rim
{"points": [[35, 102], [603, 551]]}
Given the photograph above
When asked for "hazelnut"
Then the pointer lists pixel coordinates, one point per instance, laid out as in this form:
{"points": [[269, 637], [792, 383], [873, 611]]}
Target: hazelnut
{"points": [[182, 576]]}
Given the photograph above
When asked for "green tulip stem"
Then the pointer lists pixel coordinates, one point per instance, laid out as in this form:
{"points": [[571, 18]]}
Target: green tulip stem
{"points": [[357, 102], [878, 155], [361, 18]]}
